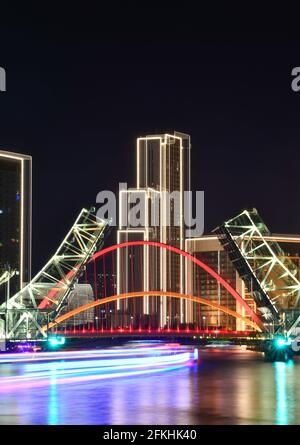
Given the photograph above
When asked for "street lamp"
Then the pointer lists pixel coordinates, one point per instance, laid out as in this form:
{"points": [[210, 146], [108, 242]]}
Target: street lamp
{"points": [[111, 320], [131, 322]]}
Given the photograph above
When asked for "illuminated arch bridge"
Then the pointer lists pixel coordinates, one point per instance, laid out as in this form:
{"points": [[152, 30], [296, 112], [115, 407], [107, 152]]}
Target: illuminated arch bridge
{"points": [[131, 295], [251, 320], [43, 304]]}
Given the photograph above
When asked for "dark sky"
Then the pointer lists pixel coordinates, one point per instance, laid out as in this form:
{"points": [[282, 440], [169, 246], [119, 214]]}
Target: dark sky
{"points": [[78, 95]]}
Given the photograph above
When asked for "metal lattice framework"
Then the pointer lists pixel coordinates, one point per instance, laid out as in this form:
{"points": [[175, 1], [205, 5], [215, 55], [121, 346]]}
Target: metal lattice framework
{"points": [[271, 277], [42, 299], [6, 276]]}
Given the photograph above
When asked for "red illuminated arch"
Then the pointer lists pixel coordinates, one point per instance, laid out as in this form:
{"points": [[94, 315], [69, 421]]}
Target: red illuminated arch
{"points": [[190, 257]]}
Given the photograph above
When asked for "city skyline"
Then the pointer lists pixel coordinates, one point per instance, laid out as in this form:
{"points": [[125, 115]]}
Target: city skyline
{"points": [[153, 151], [243, 123], [149, 221]]}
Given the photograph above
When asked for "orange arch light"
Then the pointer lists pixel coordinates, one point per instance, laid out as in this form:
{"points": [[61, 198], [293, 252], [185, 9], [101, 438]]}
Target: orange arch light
{"points": [[199, 263], [150, 294]]}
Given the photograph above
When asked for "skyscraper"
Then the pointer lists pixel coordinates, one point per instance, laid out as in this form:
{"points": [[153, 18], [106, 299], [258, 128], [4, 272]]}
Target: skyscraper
{"points": [[15, 218], [163, 167]]}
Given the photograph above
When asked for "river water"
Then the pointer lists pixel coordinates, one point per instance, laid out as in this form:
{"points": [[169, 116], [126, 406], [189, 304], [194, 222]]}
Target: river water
{"points": [[224, 387]]}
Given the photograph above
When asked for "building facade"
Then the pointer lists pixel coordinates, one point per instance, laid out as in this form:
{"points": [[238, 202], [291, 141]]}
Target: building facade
{"points": [[162, 176], [15, 218]]}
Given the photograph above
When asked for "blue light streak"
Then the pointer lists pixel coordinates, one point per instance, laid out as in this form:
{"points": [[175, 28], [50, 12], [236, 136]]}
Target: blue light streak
{"points": [[104, 364]]}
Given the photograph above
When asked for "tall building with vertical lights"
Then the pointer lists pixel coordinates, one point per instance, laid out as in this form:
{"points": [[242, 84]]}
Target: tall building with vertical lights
{"points": [[163, 165], [15, 218]]}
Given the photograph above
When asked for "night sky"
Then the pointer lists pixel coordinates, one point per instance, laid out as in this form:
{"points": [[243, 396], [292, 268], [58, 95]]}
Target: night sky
{"points": [[80, 93]]}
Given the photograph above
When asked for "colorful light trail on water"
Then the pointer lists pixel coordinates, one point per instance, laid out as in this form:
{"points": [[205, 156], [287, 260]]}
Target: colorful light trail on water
{"points": [[40, 369]]}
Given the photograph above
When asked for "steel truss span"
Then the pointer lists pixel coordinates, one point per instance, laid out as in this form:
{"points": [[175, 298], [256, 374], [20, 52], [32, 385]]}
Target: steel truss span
{"points": [[45, 295], [269, 274], [129, 295]]}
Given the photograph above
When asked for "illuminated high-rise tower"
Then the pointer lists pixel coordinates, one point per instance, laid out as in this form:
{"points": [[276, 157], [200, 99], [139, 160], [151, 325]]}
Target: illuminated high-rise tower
{"points": [[15, 218], [163, 165]]}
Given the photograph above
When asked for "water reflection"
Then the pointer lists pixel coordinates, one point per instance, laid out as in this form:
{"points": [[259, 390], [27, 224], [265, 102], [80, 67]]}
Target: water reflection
{"points": [[52, 404], [225, 387], [285, 400]]}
